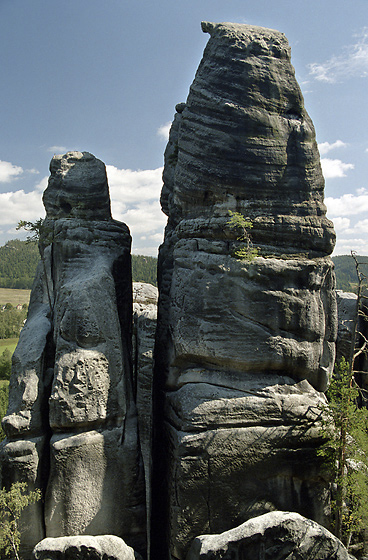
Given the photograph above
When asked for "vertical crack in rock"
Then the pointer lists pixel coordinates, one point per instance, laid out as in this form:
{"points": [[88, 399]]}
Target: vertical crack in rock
{"points": [[243, 349], [87, 434]]}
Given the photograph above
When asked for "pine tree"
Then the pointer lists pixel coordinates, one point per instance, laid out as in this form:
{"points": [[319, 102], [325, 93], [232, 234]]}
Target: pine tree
{"points": [[346, 449], [12, 503], [246, 251]]}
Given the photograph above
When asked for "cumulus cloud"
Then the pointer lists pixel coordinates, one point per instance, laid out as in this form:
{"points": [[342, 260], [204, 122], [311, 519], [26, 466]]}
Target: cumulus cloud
{"points": [[19, 205], [352, 62], [8, 171], [326, 147], [164, 130], [349, 215], [129, 186], [347, 204], [361, 226], [341, 224], [135, 199], [334, 168], [345, 245]]}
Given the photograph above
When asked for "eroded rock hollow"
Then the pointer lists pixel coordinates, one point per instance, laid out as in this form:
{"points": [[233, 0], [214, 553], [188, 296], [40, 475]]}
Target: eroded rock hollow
{"points": [[71, 425], [243, 349]]}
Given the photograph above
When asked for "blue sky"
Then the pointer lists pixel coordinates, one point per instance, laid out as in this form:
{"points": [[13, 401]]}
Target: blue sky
{"points": [[105, 77]]}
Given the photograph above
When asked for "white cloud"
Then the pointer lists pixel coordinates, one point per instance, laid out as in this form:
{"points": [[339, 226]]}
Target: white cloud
{"points": [[334, 168], [341, 224], [19, 205], [326, 147], [33, 171], [164, 131], [57, 149], [345, 245], [347, 204], [352, 234], [135, 199], [361, 226], [129, 186], [8, 171], [353, 62]]}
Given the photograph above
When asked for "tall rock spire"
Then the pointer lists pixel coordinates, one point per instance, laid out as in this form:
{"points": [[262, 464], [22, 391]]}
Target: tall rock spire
{"points": [[71, 425], [243, 348]]}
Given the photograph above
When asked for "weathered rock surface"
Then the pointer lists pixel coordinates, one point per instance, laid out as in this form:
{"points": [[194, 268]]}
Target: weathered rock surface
{"points": [[244, 141], [102, 547], [243, 349], [277, 535], [145, 298], [72, 425]]}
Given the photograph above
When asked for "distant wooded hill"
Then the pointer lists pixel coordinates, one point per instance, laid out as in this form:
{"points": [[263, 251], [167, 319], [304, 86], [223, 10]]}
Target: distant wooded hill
{"points": [[345, 270], [18, 261]]}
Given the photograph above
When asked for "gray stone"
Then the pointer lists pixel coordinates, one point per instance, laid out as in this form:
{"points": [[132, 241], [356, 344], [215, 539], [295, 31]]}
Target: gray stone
{"points": [[72, 381], [102, 547], [244, 141], [77, 188], [22, 461], [22, 453], [145, 298], [278, 535], [243, 349], [237, 453]]}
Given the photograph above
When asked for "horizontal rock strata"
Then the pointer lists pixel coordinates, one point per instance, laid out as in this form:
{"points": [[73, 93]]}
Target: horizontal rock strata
{"points": [[72, 426], [243, 348]]}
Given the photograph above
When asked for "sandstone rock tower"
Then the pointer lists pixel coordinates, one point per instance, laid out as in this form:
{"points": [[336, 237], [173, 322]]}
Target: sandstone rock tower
{"points": [[243, 349], [71, 425]]}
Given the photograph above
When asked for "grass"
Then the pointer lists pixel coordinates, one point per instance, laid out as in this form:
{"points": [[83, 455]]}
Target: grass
{"points": [[14, 297], [9, 343]]}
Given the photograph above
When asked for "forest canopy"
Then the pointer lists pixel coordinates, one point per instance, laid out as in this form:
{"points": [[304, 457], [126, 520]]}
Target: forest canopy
{"points": [[18, 261]]}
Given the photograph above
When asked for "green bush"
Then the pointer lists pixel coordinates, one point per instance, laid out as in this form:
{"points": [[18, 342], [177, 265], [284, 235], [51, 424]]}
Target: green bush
{"points": [[4, 399], [5, 364], [11, 321], [12, 503]]}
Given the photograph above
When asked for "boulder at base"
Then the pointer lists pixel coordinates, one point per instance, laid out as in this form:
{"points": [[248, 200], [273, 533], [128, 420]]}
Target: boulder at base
{"points": [[103, 547], [277, 535]]}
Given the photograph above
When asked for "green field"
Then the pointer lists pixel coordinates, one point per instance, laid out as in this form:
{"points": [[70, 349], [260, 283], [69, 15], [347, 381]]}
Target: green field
{"points": [[8, 295], [9, 343]]}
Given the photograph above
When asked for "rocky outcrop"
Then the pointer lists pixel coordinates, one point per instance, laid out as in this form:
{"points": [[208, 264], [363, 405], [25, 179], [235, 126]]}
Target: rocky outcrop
{"points": [[243, 348], [145, 298], [244, 141], [278, 534], [104, 547], [72, 425]]}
